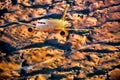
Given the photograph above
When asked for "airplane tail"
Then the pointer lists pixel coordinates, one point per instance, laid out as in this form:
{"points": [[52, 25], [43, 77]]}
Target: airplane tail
{"points": [[65, 11]]}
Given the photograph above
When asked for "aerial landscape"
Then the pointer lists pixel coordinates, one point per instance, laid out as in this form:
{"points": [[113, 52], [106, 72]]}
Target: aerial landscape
{"points": [[59, 40]]}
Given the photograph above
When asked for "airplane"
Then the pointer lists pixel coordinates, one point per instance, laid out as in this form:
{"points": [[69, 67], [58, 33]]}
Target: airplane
{"points": [[53, 25]]}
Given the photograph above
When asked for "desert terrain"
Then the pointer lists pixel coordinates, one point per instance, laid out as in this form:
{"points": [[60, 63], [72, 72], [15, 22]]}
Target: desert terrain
{"points": [[91, 54]]}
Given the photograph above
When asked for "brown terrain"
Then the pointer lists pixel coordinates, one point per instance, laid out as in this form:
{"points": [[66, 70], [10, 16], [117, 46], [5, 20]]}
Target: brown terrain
{"points": [[82, 55]]}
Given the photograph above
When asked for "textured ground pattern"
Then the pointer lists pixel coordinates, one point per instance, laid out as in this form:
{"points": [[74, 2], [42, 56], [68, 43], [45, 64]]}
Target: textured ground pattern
{"points": [[36, 55]]}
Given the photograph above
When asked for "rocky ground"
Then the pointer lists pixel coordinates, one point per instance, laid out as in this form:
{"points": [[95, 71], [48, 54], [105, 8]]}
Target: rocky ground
{"points": [[40, 55]]}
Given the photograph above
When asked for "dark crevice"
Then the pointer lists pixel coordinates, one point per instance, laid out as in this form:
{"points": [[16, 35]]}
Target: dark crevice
{"points": [[111, 20], [7, 24], [52, 42], [112, 43], [32, 0], [1, 70], [57, 76], [117, 66], [112, 61], [48, 71], [89, 58], [14, 2], [6, 48], [35, 6], [25, 63], [85, 11], [80, 32], [106, 43], [96, 72], [1, 33], [88, 3], [3, 11], [55, 1], [98, 51], [71, 2]]}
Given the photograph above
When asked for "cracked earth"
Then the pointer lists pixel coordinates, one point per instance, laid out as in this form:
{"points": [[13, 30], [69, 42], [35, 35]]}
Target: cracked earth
{"points": [[40, 55]]}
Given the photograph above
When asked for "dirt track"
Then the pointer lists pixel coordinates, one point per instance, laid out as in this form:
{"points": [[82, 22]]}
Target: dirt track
{"points": [[40, 55]]}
